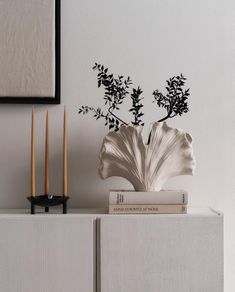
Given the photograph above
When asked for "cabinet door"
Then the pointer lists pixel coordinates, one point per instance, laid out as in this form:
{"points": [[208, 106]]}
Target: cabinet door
{"points": [[52, 253], [161, 253]]}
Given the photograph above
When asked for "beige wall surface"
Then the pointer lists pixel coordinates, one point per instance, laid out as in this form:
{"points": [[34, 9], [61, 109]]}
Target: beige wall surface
{"points": [[27, 49], [150, 41]]}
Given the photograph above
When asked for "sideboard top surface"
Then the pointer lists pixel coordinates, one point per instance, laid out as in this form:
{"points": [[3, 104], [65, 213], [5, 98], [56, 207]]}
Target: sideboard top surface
{"points": [[192, 211]]}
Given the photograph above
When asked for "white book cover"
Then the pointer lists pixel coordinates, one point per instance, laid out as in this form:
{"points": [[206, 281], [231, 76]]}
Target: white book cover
{"points": [[123, 197]]}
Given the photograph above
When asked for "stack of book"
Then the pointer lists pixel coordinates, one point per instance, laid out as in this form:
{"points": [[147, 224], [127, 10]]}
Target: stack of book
{"points": [[162, 202]]}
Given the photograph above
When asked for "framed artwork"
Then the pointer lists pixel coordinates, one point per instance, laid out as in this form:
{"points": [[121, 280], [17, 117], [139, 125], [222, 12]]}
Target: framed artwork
{"points": [[30, 51]]}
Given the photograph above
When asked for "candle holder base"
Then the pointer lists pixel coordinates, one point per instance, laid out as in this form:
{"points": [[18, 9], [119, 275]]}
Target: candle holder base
{"points": [[48, 201]]}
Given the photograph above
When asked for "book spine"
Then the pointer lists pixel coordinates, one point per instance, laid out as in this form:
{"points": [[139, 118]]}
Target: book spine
{"points": [[147, 209], [148, 198]]}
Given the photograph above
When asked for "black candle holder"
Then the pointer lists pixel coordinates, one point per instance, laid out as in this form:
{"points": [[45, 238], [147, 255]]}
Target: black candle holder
{"points": [[48, 201]]}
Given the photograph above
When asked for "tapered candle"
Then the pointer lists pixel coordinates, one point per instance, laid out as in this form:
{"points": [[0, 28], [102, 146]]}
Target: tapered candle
{"points": [[47, 157], [65, 157], [32, 157]]}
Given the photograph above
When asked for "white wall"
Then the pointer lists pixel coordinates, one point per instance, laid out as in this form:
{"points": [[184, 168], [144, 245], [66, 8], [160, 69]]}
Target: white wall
{"points": [[151, 41]]}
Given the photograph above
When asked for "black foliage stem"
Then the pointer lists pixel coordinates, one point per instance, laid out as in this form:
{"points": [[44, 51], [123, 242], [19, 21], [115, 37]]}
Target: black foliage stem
{"points": [[166, 117], [163, 119], [120, 120]]}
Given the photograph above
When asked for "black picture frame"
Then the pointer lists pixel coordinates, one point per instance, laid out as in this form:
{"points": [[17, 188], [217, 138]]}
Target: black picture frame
{"points": [[46, 100]]}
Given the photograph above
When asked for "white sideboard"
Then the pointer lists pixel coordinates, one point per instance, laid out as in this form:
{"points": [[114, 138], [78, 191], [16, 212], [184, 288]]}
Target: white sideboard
{"points": [[162, 253], [89, 251], [47, 253]]}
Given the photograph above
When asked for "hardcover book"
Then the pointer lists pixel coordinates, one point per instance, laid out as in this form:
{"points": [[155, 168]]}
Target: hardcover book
{"points": [[162, 197], [147, 209]]}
